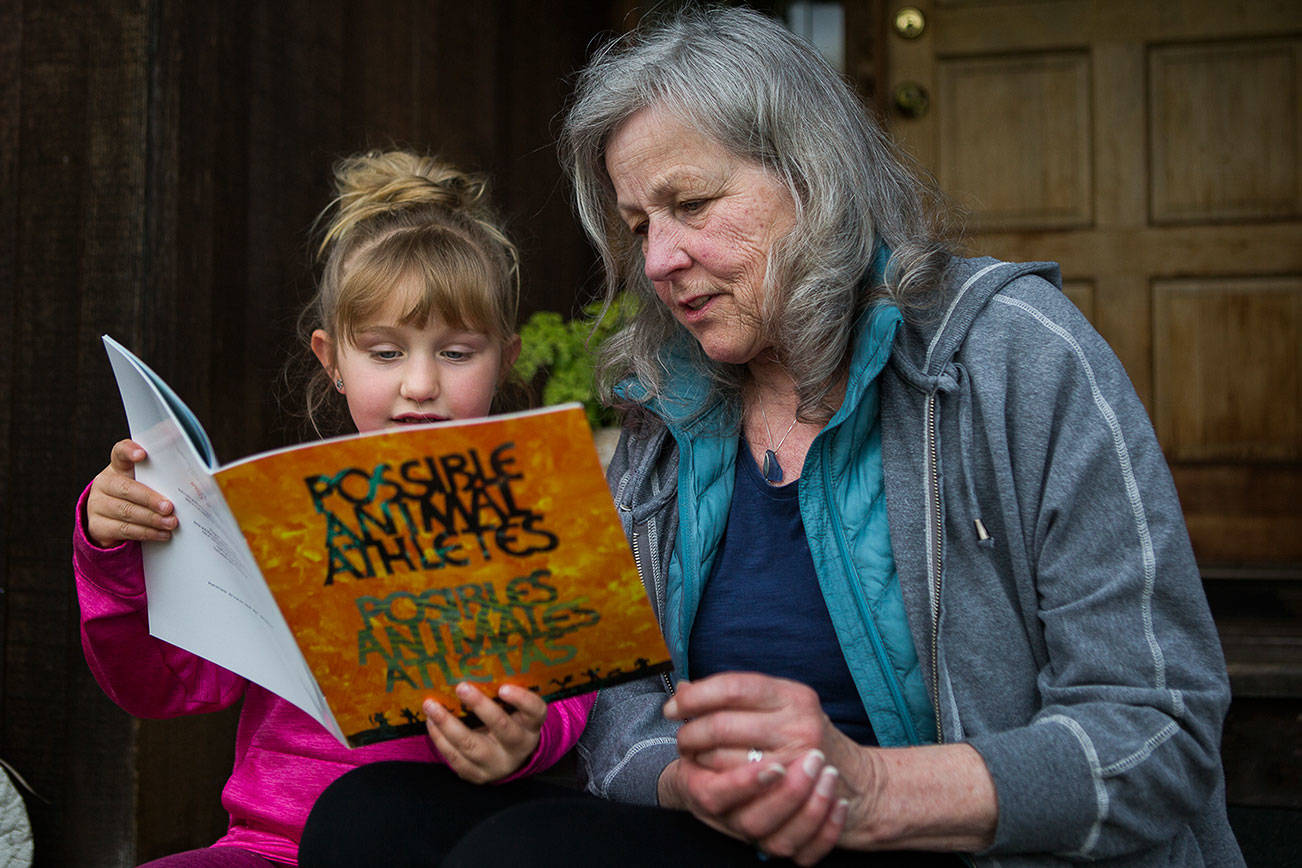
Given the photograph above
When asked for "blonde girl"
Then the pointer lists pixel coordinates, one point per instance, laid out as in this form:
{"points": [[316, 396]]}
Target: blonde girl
{"points": [[413, 321]]}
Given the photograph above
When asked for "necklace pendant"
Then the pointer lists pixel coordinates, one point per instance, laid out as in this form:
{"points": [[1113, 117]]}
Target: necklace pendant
{"points": [[770, 468]]}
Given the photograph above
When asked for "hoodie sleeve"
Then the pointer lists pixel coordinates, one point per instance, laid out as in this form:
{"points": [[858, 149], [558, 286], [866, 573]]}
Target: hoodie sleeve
{"points": [[147, 677], [628, 743], [1124, 750]]}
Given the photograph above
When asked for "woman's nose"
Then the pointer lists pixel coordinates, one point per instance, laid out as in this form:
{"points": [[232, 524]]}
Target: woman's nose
{"points": [[663, 252], [420, 381]]}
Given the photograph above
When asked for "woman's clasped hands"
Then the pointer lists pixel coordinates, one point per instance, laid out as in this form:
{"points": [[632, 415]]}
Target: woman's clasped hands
{"points": [[759, 760]]}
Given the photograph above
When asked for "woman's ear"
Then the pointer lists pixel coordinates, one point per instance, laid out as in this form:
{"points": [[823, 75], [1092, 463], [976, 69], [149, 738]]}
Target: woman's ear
{"points": [[510, 352], [323, 347]]}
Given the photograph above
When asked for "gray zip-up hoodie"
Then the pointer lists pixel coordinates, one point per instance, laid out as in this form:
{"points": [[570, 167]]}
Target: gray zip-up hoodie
{"points": [[1046, 573]]}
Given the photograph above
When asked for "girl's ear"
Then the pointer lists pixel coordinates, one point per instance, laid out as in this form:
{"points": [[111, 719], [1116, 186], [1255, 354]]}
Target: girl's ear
{"points": [[323, 347], [510, 352]]}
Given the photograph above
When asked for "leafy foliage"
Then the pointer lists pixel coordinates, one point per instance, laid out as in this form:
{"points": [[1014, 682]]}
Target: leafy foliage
{"points": [[564, 353]]}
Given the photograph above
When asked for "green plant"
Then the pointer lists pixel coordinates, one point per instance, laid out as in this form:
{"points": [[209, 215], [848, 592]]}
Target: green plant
{"points": [[563, 353]]}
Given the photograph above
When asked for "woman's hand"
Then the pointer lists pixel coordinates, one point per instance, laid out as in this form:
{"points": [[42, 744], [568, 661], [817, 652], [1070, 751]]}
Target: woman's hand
{"points": [[933, 797], [501, 746], [118, 508], [794, 813], [792, 801]]}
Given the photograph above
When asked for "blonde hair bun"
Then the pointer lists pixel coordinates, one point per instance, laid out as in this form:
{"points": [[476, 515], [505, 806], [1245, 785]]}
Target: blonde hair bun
{"points": [[379, 183]]}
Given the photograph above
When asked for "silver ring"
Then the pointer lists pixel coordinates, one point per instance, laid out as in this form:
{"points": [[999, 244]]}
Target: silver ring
{"points": [[754, 755]]}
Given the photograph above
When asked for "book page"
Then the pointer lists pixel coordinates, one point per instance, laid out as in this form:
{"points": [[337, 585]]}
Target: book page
{"points": [[205, 593]]}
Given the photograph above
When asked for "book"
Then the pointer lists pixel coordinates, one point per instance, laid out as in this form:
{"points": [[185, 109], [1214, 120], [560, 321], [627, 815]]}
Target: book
{"points": [[356, 576]]}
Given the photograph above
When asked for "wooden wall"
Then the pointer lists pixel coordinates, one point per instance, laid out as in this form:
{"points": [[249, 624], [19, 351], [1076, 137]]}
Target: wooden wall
{"points": [[160, 163]]}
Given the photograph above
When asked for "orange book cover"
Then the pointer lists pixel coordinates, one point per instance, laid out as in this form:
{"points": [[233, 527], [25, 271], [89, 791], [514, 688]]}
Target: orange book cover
{"points": [[356, 576], [406, 561]]}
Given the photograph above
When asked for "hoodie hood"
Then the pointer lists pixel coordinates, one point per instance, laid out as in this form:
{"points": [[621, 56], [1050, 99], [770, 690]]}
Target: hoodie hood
{"points": [[925, 346]]}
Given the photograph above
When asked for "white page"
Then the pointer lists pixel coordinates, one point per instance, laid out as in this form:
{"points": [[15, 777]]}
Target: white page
{"points": [[205, 592]]}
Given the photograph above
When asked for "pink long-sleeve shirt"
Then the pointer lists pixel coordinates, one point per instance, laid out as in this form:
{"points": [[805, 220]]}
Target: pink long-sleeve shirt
{"points": [[283, 758]]}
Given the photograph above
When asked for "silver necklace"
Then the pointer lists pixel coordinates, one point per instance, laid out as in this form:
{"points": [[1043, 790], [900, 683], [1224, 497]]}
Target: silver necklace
{"points": [[770, 467]]}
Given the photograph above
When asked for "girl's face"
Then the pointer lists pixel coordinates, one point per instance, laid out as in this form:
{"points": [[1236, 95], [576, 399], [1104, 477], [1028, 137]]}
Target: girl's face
{"points": [[400, 374]]}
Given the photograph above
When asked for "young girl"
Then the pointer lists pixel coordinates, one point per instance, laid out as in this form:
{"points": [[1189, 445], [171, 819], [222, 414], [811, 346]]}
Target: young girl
{"points": [[414, 321]]}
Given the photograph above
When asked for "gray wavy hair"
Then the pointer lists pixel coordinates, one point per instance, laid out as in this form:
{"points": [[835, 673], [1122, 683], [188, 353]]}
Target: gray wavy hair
{"points": [[768, 97]]}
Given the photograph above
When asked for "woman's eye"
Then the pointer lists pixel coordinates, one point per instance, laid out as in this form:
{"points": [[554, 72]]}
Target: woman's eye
{"points": [[692, 206], [639, 228]]}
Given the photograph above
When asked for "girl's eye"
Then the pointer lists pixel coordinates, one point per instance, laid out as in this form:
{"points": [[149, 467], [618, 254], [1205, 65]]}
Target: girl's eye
{"points": [[456, 355], [385, 355]]}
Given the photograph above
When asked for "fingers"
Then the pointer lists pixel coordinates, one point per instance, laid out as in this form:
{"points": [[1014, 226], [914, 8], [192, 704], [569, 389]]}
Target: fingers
{"points": [[792, 812], [727, 690], [714, 796], [530, 708], [764, 816], [123, 459], [731, 735], [503, 743], [452, 738], [826, 837], [125, 456], [506, 727], [722, 758], [120, 508], [789, 725], [812, 824]]}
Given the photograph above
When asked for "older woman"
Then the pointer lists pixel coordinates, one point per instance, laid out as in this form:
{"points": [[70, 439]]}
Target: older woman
{"points": [[881, 497], [911, 540]]}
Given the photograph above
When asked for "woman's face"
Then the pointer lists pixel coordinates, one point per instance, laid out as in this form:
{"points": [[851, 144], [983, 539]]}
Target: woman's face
{"points": [[707, 220]]}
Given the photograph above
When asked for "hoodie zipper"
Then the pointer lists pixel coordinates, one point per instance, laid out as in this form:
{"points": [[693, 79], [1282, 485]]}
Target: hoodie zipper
{"points": [[657, 591], [933, 477]]}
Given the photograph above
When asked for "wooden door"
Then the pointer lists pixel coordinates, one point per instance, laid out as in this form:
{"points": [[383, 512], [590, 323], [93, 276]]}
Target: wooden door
{"points": [[1154, 149]]}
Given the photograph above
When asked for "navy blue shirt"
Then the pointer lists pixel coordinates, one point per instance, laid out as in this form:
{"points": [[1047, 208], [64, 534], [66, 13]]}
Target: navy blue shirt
{"points": [[762, 609]]}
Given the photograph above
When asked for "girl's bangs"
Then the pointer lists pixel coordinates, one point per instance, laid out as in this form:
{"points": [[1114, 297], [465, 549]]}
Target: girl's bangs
{"points": [[444, 276]]}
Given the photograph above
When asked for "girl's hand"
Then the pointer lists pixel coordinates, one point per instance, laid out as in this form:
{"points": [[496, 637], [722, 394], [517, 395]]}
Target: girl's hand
{"points": [[118, 508], [504, 742], [792, 801]]}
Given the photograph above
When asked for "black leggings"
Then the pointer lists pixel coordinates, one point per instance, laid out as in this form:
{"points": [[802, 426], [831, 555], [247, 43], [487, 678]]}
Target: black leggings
{"points": [[409, 814]]}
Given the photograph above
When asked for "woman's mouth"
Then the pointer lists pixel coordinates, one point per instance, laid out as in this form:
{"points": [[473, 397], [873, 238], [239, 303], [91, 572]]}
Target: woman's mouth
{"points": [[696, 302]]}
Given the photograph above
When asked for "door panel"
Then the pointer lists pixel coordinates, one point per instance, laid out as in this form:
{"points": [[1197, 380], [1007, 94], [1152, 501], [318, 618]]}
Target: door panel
{"points": [[1037, 106], [1224, 131], [1154, 150], [1205, 331]]}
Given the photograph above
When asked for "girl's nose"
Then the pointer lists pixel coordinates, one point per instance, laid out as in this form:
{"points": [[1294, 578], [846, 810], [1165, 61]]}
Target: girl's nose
{"points": [[663, 252], [420, 381]]}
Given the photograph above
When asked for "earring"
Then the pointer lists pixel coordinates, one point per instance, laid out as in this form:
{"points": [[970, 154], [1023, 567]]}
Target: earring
{"points": [[339, 383]]}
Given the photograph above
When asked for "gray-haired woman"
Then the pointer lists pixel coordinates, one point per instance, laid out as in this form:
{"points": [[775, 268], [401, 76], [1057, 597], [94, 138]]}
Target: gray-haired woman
{"points": [[950, 533], [911, 539]]}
